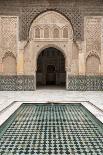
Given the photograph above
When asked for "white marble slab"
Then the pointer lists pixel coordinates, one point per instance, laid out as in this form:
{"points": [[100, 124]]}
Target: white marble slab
{"points": [[50, 95]]}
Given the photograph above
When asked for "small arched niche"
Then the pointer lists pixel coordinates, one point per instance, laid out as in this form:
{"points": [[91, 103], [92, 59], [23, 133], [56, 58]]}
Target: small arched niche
{"points": [[65, 32], [37, 32], [56, 33], [92, 65], [46, 32], [9, 64]]}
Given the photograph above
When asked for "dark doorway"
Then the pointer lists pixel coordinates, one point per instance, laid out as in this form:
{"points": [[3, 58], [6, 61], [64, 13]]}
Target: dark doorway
{"points": [[51, 68], [51, 75]]}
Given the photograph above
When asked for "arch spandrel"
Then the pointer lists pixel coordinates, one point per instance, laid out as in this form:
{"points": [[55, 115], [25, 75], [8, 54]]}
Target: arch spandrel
{"points": [[72, 14], [51, 19]]}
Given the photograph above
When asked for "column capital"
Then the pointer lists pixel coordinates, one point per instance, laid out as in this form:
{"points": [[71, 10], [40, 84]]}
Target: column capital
{"points": [[79, 44], [68, 68], [22, 44]]}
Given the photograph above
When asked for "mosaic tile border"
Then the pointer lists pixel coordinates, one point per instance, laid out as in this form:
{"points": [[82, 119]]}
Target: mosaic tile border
{"points": [[7, 123], [17, 83], [27, 83], [85, 83], [77, 145]]}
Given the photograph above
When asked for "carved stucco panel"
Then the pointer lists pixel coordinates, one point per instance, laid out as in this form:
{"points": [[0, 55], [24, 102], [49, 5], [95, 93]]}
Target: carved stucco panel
{"points": [[93, 42], [29, 14], [93, 34], [55, 22], [8, 33]]}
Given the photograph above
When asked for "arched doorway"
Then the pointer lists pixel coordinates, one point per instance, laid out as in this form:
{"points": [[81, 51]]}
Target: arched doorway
{"points": [[50, 31], [51, 68]]}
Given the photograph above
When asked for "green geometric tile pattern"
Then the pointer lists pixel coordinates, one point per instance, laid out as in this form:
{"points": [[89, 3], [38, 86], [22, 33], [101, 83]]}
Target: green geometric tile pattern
{"points": [[52, 129]]}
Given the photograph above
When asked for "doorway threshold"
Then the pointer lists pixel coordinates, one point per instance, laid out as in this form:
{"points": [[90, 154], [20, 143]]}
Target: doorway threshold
{"points": [[51, 87]]}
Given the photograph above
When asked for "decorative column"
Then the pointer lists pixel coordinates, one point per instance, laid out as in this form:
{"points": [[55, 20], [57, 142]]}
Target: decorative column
{"points": [[35, 80], [20, 59], [68, 73], [81, 59], [68, 60]]}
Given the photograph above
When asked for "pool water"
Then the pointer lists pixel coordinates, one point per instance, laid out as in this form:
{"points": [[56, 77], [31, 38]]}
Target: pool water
{"points": [[51, 129]]}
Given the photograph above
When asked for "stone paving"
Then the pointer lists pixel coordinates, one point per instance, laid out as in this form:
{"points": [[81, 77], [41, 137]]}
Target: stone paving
{"points": [[50, 95]]}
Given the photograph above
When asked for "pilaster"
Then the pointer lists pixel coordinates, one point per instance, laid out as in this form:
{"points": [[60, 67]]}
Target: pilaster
{"points": [[20, 57], [81, 58]]}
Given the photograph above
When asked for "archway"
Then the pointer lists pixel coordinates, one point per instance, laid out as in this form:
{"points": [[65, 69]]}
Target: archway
{"points": [[50, 30], [51, 68]]}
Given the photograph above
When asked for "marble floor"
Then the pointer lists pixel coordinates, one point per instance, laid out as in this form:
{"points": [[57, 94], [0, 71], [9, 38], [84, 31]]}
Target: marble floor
{"points": [[11, 100]]}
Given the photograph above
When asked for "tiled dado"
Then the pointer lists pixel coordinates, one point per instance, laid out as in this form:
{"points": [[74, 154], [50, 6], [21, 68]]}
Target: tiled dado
{"points": [[85, 83], [27, 83], [17, 83]]}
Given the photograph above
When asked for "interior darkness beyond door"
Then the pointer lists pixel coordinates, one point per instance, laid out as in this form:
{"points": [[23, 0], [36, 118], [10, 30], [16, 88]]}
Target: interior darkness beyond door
{"points": [[51, 68], [50, 75]]}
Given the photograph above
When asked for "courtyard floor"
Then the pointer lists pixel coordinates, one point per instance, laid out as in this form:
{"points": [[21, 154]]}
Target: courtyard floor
{"points": [[51, 129], [11, 100]]}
